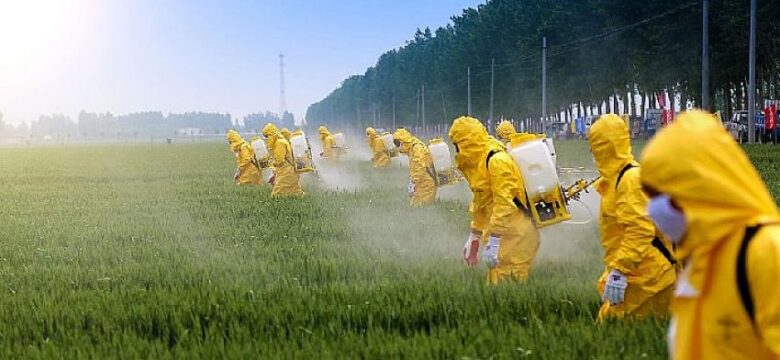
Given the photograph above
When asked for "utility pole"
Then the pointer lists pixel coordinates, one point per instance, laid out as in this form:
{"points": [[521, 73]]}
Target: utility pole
{"points": [[468, 87], [444, 107], [492, 84], [705, 56], [422, 99], [417, 112], [394, 113], [373, 114], [544, 78], [752, 76]]}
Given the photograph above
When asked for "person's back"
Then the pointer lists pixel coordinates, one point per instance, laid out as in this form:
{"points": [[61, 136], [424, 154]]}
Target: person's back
{"points": [[422, 186], [710, 200], [499, 208], [639, 270], [329, 150], [380, 157], [286, 180], [247, 170]]}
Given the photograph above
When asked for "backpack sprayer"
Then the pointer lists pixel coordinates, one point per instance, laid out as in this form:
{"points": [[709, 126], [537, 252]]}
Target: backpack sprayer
{"points": [[548, 201], [340, 143], [444, 171], [261, 153], [304, 162], [390, 148]]}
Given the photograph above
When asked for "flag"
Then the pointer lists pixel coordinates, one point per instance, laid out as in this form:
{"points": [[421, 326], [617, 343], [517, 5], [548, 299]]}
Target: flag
{"points": [[770, 117]]}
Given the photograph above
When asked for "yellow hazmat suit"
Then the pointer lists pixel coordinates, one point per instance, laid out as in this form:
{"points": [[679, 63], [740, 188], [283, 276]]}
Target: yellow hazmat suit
{"points": [[505, 130], [381, 158], [286, 133], [710, 179], [247, 171], [631, 243], [286, 179], [422, 186], [328, 144], [498, 189]]}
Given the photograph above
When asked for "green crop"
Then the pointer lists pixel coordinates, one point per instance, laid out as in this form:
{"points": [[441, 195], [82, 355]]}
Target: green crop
{"points": [[152, 251]]}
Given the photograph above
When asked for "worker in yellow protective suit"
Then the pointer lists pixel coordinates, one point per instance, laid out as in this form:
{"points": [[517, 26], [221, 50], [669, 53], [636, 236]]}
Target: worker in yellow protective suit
{"points": [[380, 159], [504, 131], [247, 171], [498, 208], [286, 133], [422, 186], [285, 180], [710, 200], [329, 150], [639, 271]]}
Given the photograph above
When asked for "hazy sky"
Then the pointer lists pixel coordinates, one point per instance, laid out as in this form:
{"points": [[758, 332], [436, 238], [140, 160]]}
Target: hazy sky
{"points": [[61, 56]]}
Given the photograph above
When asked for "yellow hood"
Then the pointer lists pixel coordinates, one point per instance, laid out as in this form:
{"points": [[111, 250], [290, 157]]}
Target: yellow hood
{"points": [[286, 133], [235, 140], [698, 164], [323, 132], [406, 139], [610, 144], [504, 130], [472, 141], [271, 132], [371, 134]]}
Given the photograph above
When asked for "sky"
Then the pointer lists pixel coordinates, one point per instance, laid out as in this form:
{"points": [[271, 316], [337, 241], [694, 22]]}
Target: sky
{"points": [[120, 56]]}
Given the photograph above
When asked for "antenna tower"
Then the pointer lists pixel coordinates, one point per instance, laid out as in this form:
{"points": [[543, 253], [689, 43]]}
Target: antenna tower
{"points": [[282, 97]]}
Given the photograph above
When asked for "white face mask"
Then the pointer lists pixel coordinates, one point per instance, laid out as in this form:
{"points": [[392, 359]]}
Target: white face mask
{"points": [[669, 220]]}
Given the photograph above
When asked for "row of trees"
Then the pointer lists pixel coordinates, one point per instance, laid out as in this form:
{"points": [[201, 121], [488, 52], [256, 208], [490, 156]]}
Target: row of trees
{"points": [[138, 124], [600, 53], [8, 130], [258, 120]]}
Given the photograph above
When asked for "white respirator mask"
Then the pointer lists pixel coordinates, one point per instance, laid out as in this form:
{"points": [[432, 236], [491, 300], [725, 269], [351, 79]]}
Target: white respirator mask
{"points": [[669, 220]]}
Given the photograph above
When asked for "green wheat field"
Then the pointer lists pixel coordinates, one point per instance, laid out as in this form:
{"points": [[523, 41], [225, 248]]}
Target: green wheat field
{"points": [[151, 251]]}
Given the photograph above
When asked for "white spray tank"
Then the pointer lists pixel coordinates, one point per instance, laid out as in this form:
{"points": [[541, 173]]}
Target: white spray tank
{"points": [[261, 153], [387, 139], [547, 141], [547, 204], [340, 141], [446, 173], [301, 152]]}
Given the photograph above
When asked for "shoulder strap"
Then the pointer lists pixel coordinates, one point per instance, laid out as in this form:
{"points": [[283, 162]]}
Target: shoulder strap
{"points": [[519, 204], [659, 245], [623, 171], [742, 281], [490, 155]]}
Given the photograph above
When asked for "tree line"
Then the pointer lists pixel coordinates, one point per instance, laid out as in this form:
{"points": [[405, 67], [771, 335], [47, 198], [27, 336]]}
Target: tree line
{"points": [[599, 54], [91, 125]]}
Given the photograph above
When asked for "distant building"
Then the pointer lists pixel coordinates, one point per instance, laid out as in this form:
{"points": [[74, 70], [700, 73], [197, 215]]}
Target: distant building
{"points": [[190, 132]]}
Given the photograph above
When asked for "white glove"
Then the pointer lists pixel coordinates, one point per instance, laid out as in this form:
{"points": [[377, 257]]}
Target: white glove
{"points": [[615, 289], [410, 189], [490, 255], [470, 250]]}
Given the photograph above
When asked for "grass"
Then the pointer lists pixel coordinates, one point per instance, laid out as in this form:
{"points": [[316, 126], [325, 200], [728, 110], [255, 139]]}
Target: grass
{"points": [[151, 251]]}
